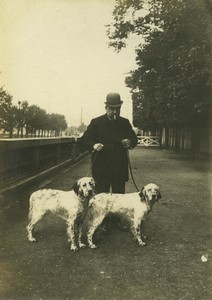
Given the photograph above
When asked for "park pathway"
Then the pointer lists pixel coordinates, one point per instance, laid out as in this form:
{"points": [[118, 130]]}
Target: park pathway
{"points": [[169, 268]]}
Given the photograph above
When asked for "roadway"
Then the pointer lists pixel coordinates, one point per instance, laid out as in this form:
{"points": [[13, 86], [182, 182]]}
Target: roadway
{"points": [[170, 267]]}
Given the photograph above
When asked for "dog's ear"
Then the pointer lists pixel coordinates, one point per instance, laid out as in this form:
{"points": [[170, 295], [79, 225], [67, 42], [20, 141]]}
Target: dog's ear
{"points": [[93, 182], [142, 194], [159, 195], [75, 187]]}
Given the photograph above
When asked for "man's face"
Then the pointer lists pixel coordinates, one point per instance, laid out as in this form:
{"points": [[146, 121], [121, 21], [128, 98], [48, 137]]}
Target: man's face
{"points": [[113, 112]]}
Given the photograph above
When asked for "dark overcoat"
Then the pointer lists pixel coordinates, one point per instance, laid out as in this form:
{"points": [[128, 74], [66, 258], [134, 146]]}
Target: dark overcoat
{"points": [[112, 161]]}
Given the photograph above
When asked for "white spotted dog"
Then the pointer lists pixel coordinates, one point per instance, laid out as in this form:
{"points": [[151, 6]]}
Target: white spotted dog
{"points": [[133, 207], [70, 205]]}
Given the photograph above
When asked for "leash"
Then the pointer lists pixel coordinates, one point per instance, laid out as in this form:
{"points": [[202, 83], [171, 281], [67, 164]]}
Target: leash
{"points": [[91, 166], [131, 173]]}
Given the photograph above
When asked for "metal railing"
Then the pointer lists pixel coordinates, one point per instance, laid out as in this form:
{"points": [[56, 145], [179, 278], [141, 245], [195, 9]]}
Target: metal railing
{"points": [[148, 141]]}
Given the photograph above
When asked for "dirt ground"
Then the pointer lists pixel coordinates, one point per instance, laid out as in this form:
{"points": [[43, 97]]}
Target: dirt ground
{"points": [[169, 268]]}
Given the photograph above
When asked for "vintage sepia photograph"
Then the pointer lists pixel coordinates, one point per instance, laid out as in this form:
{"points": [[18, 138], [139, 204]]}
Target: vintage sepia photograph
{"points": [[105, 149]]}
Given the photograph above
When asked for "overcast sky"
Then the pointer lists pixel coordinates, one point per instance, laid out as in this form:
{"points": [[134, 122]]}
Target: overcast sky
{"points": [[55, 54]]}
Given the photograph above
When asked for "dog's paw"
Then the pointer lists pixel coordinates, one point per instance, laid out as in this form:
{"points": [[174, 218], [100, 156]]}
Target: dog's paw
{"points": [[32, 239], [141, 243], [81, 245], [92, 246], [74, 248]]}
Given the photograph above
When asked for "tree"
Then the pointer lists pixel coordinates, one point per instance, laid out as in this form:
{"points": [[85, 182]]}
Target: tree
{"points": [[57, 123], [82, 128], [34, 116], [171, 85], [8, 112], [31, 118], [72, 130], [22, 116]]}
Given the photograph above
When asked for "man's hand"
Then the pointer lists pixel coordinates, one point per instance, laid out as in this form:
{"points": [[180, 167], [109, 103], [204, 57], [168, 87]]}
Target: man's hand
{"points": [[126, 143], [98, 147]]}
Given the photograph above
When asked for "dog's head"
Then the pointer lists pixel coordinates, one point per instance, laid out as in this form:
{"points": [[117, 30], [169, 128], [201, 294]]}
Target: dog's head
{"points": [[151, 193], [85, 187]]}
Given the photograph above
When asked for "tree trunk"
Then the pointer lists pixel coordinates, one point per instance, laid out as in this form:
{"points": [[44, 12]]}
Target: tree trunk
{"points": [[195, 142], [11, 133], [22, 129], [166, 138], [177, 145]]}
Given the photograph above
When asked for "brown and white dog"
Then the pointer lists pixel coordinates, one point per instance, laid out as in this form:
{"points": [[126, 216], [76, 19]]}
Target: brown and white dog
{"points": [[132, 206], [70, 205]]}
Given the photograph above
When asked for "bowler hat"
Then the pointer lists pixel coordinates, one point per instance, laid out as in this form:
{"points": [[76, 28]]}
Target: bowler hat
{"points": [[113, 100]]}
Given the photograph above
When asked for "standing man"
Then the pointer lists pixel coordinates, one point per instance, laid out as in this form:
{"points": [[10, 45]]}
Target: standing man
{"points": [[109, 137]]}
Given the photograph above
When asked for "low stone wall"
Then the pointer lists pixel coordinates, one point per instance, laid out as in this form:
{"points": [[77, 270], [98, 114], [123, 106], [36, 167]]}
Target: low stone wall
{"points": [[25, 158]]}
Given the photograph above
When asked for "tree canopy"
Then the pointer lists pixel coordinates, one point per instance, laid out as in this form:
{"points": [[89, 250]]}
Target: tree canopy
{"points": [[16, 118], [172, 82], [7, 112]]}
